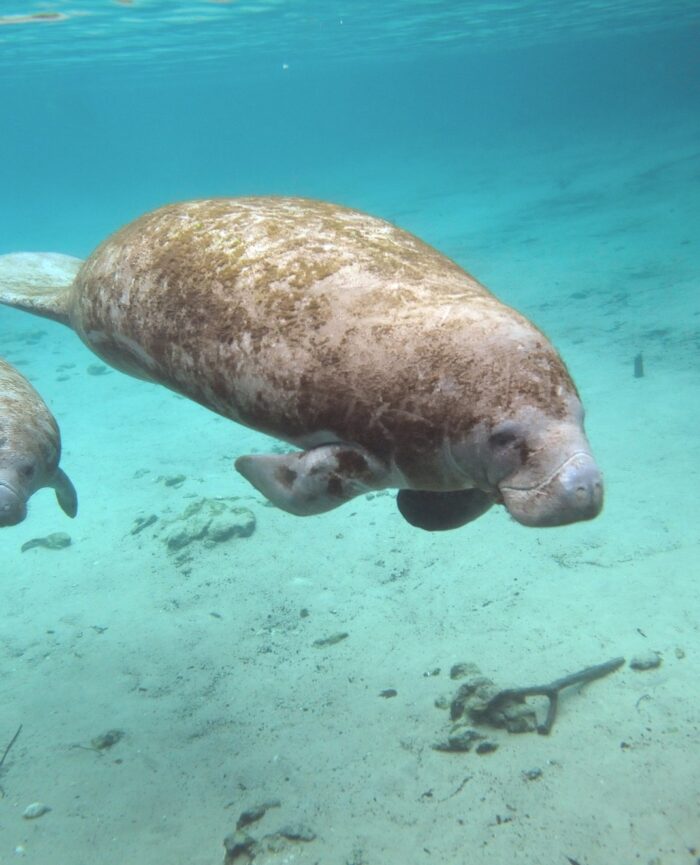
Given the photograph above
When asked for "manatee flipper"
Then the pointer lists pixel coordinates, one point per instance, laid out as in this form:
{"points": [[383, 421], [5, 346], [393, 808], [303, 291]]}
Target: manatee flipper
{"points": [[65, 493], [439, 511], [313, 481], [38, 282]]}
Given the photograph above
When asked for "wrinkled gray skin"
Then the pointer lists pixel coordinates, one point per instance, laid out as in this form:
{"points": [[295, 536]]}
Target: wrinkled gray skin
{"points": [[382, 360], [30, 449]]}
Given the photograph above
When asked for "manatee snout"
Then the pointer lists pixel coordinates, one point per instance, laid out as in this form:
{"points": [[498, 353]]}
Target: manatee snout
{"points": [[580, 488], [12, 509], [574, 492]]}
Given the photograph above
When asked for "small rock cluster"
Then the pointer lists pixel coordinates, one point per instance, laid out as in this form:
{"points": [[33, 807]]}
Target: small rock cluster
{"points": [[242, 848], [211, 521], [469, 706], [471, 703]]}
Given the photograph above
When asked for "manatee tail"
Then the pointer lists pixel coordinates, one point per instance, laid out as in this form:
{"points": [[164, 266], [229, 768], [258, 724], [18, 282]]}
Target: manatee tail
{"points": [[38, 282]]}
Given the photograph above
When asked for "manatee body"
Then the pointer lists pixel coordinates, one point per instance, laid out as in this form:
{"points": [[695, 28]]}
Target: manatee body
{"points": [[30, 449], [381, 359]]}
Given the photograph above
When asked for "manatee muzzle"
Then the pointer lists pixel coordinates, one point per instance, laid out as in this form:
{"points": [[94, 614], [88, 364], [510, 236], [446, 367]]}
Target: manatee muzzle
{"points": [[571, 493], [13, 508]]}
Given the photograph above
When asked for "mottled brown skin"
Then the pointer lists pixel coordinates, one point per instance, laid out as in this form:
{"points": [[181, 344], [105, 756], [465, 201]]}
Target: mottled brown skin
{"points": [[30, 449], [300, 318]]}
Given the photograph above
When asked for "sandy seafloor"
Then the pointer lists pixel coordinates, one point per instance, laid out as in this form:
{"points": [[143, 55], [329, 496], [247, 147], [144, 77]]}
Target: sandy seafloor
{"points": [[209, 667]]}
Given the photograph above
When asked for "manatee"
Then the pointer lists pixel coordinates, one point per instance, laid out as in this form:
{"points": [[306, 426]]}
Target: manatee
{"points": [[30, 449], [380, 359]]}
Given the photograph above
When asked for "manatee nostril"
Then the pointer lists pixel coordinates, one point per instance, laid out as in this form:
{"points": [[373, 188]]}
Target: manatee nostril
{"points": [[588, 497], [582, 488]]}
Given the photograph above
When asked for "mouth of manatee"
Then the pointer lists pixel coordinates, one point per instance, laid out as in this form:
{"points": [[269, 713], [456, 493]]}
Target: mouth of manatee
{"points": [[572, 492], [547, 480]]}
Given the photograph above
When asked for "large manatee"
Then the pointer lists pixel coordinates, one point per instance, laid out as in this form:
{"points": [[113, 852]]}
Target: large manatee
{"points": [[381, 359]]}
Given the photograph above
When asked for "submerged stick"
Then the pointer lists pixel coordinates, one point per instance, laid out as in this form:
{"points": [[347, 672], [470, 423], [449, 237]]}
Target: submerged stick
{"points": [[551, 691], [12, 742], [7, 751]]}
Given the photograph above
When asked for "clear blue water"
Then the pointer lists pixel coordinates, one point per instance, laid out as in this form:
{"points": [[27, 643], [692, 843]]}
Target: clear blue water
{"points": [[552, 149], [412, 97]]}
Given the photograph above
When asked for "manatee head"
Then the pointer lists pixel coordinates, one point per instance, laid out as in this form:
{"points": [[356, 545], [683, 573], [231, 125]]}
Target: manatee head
{"points": [[23, 468], [537, 463]]}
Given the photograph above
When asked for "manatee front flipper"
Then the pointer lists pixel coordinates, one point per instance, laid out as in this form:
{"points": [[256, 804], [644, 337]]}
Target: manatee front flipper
{"points": [[65, 493], [439, 511], [314, 481]]}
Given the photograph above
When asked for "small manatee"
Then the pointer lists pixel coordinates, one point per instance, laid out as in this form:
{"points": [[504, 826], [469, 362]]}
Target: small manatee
{"points": [[30, 449]]}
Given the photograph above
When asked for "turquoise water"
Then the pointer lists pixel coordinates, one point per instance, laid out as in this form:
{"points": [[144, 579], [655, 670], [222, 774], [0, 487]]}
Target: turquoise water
{"points": [[552, 150]]}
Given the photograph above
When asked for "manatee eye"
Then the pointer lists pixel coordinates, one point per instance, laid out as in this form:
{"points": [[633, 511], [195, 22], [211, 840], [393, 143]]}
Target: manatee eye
{"points": [[27, 471], [502, 439], [506, 451]]}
